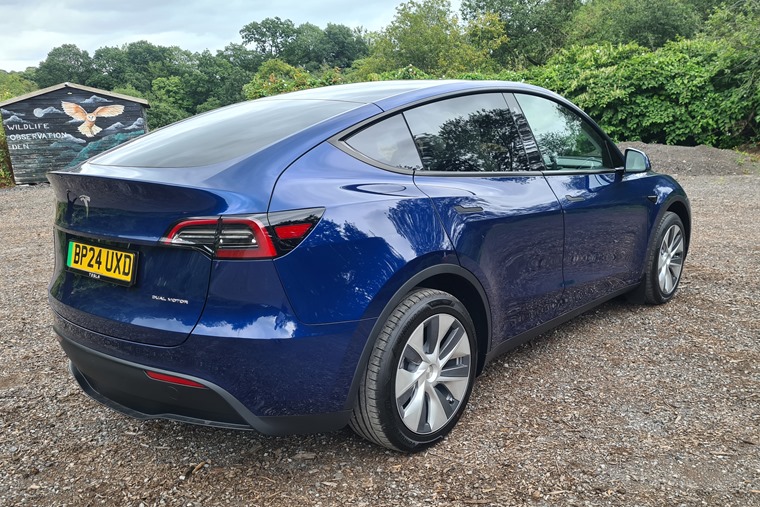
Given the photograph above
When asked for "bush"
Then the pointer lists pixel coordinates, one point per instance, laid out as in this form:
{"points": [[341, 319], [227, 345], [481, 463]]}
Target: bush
{"points": [[6, 175], [678, 94]]}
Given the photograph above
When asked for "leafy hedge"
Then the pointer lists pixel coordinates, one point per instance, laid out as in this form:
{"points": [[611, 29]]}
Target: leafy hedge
{"points": [[6, 177], [686, 92], [682, 93], [699, 91]]}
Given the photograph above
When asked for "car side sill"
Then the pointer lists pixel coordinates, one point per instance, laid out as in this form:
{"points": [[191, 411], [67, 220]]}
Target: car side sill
{"points": [[518, 340]]}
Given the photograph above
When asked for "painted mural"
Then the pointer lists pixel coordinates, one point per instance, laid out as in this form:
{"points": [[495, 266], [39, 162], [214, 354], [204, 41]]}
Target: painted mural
{"points": [[65, 127]]}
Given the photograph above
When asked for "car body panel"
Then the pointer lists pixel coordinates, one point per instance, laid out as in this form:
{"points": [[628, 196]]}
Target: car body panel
{"points": [[606, 225], [382, 225], [508, 231], [282, 343]]}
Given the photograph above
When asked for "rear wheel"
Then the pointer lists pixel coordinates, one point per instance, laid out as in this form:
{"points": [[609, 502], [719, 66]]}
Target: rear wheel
{"points": [[665, 261], [420, 373]]}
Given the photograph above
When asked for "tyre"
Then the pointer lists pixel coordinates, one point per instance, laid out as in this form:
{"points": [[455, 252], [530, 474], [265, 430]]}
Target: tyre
{"points": [[420, 373], [664, 262]]}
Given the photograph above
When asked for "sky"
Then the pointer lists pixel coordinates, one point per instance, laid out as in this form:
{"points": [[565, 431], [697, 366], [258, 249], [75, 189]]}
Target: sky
{"points": [[31, 28]]}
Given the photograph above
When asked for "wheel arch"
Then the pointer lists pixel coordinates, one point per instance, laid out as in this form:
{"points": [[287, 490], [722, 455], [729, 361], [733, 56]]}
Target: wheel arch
{"points": [[681, 209], [474, 301], [450, 278]]}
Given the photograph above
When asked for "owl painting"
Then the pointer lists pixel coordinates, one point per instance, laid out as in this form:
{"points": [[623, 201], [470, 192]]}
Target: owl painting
{"points": [[88, 128]]}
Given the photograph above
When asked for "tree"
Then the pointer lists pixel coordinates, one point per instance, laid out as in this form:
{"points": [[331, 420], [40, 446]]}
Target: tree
{"points": [[144, 63], [214, 77], [161, 113], [424, 35], [308, 48], [241, 57], [705, 8], [649, 23], [65, 63], [488, 34], [736, 27], [13, 84], [270, 36], [110, 67], [678, 94], [344, 45], [536, 29], [172, 91]]}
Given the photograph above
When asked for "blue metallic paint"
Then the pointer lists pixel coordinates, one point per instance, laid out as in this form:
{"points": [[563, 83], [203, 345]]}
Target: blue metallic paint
{"points": [[606, 226], [514, 246], [291, 336], [380, 227]]}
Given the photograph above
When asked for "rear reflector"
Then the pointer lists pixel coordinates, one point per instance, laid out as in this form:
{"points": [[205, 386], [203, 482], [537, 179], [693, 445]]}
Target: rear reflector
{"points": [[292, 231], [162, 377]]}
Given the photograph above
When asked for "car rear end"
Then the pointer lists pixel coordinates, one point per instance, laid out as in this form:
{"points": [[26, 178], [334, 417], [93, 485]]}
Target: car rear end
{"points": [[165, 293]]}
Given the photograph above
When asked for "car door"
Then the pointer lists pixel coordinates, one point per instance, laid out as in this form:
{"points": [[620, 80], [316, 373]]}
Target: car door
{"points": [[502, 218], [605, 212]]}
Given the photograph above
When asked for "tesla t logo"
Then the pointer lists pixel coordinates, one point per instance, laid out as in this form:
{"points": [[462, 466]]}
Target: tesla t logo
{"points": [[86, 201]]}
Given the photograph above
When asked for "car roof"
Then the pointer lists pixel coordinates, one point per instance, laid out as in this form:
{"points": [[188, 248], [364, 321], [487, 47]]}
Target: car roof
{"points": [[391, 94]]}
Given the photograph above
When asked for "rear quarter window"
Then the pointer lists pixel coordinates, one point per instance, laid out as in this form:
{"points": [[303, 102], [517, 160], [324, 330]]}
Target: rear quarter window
{"points": [[388, 142]]}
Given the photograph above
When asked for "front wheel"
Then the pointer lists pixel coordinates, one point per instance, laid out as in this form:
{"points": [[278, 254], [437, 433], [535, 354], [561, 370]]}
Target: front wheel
{"points": [[420, 373], [665, 261]]}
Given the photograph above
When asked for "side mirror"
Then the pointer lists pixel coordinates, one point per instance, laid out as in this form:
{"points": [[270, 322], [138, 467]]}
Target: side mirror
{"points": [[636, 161]]}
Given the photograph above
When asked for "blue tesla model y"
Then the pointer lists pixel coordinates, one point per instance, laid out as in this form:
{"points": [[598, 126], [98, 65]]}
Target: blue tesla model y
{"points": [[353, 254]]}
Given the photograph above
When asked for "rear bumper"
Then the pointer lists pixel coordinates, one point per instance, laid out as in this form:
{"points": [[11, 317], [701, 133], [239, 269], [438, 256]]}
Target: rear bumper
{"points": [[123, 385]]}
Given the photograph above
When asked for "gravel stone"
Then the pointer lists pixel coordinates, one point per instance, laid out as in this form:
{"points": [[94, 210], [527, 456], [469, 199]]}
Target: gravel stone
{"points": [[625, 405]]}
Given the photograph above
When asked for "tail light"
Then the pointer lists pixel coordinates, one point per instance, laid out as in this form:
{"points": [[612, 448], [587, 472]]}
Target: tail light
{"points": [[260, 236]]}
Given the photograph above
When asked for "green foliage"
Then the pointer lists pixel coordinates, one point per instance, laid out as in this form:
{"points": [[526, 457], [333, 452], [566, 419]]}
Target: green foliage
{"points": [[674, 95], [615, 58], [66, 63], [172, 91], [309, 47], [650, 23], [488, 33], [737, 29], [275, 77], [429, 37], [408, 72], [344, 45], [13, 84], [209, 105], [163, 113], [270, 36], [705, 8], [536, 28], [129, 90], [6, 173], [306, 45]]}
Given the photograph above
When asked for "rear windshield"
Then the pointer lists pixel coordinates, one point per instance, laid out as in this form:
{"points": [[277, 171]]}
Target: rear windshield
{"points": [[223, 134]]}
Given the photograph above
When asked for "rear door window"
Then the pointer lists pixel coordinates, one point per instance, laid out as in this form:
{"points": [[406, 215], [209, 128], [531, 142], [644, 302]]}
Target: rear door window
{"points": [[474, 133]]}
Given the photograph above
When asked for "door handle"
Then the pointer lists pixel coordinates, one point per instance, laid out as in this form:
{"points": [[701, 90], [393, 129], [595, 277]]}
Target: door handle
{"points": [[463, 210], [575, 198]]}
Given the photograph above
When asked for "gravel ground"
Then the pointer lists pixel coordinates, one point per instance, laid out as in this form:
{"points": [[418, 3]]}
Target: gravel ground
{"points": [[625, 405]]}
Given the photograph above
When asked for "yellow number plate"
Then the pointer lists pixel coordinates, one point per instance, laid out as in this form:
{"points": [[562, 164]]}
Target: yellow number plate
{"points": [[118, 266]]}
